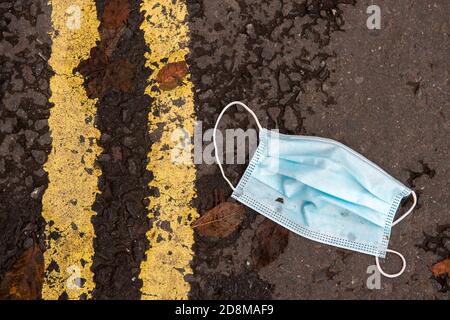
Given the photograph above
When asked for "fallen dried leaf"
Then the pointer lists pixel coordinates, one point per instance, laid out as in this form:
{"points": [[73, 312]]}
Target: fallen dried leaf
{"points": [[100, 74], [99, 71], [171, 75], [269, 242], [441, 268], [110, 38], [116, 13], [93, 71], [24, 280], [221, 220]]}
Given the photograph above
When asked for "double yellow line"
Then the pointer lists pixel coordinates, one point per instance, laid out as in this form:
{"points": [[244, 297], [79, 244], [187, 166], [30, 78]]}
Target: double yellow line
{"points": [[73, 177]]}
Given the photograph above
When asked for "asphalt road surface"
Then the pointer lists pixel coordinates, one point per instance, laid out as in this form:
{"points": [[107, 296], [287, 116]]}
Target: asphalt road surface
{"points": [[97, 96]]}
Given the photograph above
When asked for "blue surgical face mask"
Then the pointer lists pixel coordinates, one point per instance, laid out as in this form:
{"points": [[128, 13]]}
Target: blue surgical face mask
{"points": [[321, 190]]}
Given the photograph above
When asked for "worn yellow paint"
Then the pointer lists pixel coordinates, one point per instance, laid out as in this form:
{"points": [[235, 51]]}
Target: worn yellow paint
{"points": [[171, 118], [73, 179]]}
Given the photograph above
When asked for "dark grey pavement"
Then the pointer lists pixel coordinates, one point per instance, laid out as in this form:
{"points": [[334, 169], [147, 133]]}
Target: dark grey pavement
{"points": [[384, 93]]}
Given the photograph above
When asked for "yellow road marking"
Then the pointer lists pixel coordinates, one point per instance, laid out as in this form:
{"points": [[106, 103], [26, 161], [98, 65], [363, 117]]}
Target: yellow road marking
{"points": [[167, 263], [73, 179]]}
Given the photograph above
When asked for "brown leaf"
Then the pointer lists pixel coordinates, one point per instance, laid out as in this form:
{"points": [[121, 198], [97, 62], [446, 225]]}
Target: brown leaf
{"points": [[93, 70], [441, 267], [171, 75], [24, 280], [120, 74], [110, 38], [101, 74], [99, 71], [221, 220], [269, 242], [116, 13]]}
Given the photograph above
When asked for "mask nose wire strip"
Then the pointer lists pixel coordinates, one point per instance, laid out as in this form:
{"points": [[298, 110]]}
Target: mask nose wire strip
{"points": [[215, 130], [395, 275]]}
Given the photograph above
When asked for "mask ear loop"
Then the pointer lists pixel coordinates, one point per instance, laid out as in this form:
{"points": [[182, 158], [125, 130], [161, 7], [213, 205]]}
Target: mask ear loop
{"points": [[403, 216], [391, 275], [395, 275], [215, 130]]}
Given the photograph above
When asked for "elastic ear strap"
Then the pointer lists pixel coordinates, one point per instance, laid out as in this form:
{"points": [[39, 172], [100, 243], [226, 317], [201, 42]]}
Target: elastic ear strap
{"points": [[391, 275], [215, 130], [403, 216]]}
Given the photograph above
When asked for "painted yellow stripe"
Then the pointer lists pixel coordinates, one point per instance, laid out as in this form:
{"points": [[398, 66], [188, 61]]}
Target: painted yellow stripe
{"points": [[171, 237], [73, 179]]}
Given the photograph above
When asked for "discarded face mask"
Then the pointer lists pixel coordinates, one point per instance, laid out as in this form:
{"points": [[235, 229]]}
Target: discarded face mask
{"points": [[321, 190]]}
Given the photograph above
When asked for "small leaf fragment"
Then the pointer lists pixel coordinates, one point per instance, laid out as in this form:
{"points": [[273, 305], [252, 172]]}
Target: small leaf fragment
{"points": [[110, 39], [221, 220], [116, 13], [93, 70], [269, 242], [442, 267], [171, 75], [24, 280]]}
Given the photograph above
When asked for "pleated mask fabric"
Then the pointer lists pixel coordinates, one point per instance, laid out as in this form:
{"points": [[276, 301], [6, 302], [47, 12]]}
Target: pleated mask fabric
{"points": [[321, 190]]}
